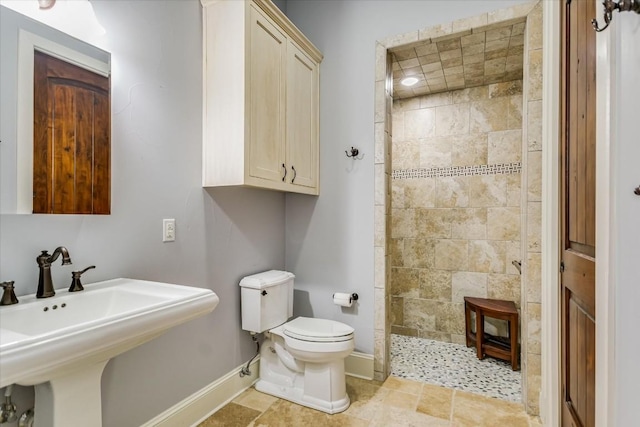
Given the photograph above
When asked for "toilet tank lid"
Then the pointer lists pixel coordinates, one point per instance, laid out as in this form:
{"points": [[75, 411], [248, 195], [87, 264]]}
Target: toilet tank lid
{"points": [[266, 279]]}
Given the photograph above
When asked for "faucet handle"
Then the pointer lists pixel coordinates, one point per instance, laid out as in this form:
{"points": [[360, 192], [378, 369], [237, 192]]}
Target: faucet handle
{"points": [[76, 285], [8, 296]]}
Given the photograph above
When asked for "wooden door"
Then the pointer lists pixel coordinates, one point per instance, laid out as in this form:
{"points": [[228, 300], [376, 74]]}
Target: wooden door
{"points": [[302, 118], [72, 160], [578, 319], [268, 50]]}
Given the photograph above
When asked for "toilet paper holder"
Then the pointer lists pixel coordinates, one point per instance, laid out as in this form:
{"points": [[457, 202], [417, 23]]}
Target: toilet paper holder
{"points": [[354, 296], [345, 299]]}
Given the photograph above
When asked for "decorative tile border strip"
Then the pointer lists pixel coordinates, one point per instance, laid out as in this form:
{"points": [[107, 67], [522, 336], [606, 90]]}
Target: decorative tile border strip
{"points": [[496, 169]]}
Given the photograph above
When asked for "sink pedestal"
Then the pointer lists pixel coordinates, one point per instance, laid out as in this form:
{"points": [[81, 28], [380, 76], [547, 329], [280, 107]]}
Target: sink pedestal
{"points": [[73, 399]]}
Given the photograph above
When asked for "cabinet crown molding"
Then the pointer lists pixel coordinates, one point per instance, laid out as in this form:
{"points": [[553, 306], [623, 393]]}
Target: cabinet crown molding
{"points": [[282, 20]]}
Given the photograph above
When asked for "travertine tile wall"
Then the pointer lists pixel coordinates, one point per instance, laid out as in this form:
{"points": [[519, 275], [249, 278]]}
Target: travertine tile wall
{"points": [[454, 231], [532, 198], [531, 207], [382, 209]]}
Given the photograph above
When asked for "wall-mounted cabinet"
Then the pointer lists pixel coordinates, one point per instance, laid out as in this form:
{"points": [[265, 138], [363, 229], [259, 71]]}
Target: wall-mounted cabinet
{"points": [[261, 99]]}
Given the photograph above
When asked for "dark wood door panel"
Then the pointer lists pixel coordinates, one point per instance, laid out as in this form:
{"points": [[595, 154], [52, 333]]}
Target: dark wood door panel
{"points": [[83, 171], [580, 128], [579, 276], [577, 237], [101, 154], [580, 389], [72, 153], [63, 148]]}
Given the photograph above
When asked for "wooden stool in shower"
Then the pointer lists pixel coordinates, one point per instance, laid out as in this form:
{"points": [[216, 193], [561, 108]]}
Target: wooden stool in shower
{"points": [[488, 344]]}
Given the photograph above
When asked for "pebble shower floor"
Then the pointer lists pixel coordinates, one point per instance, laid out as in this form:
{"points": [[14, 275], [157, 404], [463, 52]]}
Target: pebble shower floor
{"points": [[455, 366]]}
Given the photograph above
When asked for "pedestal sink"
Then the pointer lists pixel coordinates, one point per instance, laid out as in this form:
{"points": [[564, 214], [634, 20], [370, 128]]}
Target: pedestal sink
{"points": [[62, 344]]}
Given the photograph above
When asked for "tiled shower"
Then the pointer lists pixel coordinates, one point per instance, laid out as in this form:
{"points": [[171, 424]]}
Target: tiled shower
{"points": [[450, 75], [456, 195]]}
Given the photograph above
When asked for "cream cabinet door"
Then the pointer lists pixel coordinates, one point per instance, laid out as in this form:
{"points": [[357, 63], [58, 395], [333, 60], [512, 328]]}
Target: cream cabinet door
{"points": [[302, 118], [268, 54]]}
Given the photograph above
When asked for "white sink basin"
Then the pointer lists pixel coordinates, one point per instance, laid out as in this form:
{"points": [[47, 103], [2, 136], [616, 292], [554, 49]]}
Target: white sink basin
{"points": [[45, 339], [105, 319]]}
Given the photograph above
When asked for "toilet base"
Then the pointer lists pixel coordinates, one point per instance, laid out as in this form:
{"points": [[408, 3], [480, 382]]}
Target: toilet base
{"points": [[296, 395], [318, 386]]}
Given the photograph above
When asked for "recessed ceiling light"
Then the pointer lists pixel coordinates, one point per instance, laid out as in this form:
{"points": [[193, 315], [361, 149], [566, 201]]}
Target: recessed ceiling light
{"points": [[409, 81]]}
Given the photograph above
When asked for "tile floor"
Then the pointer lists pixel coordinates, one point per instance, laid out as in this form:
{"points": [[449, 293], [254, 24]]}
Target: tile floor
{"points": [[396, 402], [455, 366]]}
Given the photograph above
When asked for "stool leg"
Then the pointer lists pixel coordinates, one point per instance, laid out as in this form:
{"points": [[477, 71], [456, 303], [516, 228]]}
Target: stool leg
{"points": [[479, 333], [467, 324], [513, 333]]}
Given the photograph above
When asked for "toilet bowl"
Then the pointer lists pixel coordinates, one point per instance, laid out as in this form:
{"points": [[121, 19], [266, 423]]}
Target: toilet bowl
{"points": [[316, 340], [301, 360]]}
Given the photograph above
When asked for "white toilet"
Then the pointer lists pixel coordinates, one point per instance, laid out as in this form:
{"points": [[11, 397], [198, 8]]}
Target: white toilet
{"points": [[301, 360]]}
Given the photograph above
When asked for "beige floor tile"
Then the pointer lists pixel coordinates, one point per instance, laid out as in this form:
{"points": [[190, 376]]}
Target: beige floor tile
{"points": [[471, 410], [231, 415], [366, 397], [344, 420], [356, 383], [401, 400], [535, 422], [436, 401], [374, 403], [253, 399], [390, 416], [283, 414], [403, 385]]}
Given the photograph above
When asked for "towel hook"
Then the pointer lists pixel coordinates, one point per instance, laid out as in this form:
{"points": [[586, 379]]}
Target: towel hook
{"points": [[353, 153], [610, 6]]}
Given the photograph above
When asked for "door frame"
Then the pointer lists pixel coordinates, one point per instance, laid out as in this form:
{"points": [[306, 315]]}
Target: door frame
{"points": [[606, 54], [605, 285]]}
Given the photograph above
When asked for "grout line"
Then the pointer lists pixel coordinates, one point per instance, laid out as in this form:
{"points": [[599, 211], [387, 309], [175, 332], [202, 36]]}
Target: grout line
{"points": [[453, 396]]}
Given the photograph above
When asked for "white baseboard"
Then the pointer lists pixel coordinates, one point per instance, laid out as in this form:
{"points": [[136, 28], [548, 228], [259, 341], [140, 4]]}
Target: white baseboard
{"points": [[203, 403], [359, 365], [200, 405]]}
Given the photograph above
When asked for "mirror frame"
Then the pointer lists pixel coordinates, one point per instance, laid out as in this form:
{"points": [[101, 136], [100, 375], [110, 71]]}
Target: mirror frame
{"points": [[28, 43]]}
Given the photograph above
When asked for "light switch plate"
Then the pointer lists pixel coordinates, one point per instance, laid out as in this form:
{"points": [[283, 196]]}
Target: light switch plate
{"points": [[168, 230]]}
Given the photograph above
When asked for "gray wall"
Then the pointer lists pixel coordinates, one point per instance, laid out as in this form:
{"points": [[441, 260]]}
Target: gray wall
{"points": [[222, 235], [282, 5], [329, 241], [625, 215]]}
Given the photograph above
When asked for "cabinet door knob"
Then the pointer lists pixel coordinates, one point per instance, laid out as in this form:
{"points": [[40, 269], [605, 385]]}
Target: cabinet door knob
{"points": [[285, 172], [294, 174]]}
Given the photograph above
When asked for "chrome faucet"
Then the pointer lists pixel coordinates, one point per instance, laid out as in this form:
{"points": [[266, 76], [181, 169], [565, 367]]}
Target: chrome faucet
{"points": [[44, 260]]}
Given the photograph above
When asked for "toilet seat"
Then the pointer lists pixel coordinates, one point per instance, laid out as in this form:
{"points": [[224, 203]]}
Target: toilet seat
{"points": [[317, 330]]}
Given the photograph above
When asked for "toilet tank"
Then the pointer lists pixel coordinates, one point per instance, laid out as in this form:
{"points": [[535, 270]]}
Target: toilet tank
{"points": [[266, 300]]}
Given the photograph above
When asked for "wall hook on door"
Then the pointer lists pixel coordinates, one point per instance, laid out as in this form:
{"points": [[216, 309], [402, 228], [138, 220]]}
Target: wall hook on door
{"points": [[610, 6], [353, 153], [637, 191]]}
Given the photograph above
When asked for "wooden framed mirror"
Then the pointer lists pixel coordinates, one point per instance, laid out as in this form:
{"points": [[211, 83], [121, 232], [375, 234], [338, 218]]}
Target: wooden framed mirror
{"points": [[71, 138], [31, 166]]}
